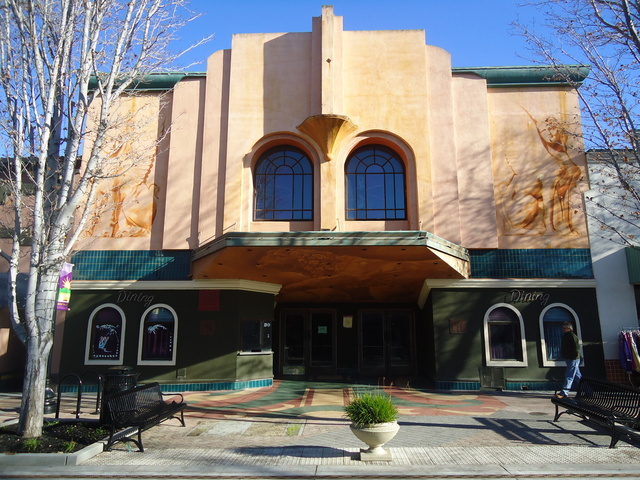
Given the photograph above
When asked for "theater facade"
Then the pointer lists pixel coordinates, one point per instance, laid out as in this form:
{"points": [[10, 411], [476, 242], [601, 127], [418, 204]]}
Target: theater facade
{"points": [[339, 205]]}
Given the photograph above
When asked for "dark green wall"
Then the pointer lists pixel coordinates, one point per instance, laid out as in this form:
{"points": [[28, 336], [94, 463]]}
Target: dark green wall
{"points": [[208, 341], [458, 356]]}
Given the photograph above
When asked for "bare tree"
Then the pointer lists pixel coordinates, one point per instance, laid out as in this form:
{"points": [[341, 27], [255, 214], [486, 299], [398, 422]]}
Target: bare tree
{"points": [[603, 34], [60, 60]]}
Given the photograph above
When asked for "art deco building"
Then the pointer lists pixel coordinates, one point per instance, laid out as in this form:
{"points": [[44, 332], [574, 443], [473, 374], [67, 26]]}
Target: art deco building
{"points": [[339, 204]]}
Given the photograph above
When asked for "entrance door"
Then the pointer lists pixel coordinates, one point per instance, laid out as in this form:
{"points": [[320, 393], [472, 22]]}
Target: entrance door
{"points": [[309, 342], [386, 342]]}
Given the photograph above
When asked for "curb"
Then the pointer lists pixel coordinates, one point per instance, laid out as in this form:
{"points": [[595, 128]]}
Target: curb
{"points": [[313, 472], [50, 459]]}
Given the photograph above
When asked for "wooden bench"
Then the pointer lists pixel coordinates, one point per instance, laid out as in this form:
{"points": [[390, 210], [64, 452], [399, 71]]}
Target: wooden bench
{"points": [[138, 409], [612, 405]]}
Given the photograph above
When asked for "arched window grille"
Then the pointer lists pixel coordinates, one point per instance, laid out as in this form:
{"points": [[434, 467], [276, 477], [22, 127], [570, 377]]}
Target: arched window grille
{"points": [[283, 185], [375, 185]]}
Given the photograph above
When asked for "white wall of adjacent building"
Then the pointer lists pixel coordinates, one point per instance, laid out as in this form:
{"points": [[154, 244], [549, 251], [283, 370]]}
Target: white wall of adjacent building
{"points": [[615, 293]]}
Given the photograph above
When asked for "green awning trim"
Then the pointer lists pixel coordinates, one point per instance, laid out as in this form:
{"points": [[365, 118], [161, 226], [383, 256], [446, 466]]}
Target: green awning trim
{"points": [[155, 81], [633, 264], [332, 239], [514, 76], [529, 76]]}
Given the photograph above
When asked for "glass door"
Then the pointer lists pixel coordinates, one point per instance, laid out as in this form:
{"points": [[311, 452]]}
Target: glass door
{"points": [[322, 340], [400, 339], [293, 345], [309, 342], [387, 342], [372, 338]]}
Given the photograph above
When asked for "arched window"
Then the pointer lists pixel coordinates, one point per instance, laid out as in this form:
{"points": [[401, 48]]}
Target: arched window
{"points": [[375, 185], [158, 336], [504, 340], [283, 185], [551, 320], [105, 336]]}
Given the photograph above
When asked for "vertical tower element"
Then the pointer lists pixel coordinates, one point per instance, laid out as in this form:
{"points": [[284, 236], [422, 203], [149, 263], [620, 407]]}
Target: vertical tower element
{"points": [[327, 127], [331, 62]]}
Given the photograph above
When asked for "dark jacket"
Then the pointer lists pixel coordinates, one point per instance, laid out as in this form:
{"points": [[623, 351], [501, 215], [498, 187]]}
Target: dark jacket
{"points": [[570, 348]]}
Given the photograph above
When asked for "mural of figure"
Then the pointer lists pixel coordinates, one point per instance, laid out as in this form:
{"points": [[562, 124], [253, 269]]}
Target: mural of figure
{"points": [[126, 205], [535, 209], [546, 201], [555, 139]]}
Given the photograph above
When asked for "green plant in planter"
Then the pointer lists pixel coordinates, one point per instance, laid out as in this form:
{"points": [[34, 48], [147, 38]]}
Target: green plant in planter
{"points": [[371, 408]]}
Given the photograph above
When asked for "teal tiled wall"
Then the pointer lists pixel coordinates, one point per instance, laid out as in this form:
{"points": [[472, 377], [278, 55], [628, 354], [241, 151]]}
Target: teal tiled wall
{"points": [[131, 265], [532, 263], [175, 264], [185, 387]]}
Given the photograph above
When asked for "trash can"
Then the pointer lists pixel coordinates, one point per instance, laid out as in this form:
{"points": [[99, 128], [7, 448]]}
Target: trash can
{"points": [[117, 379]]}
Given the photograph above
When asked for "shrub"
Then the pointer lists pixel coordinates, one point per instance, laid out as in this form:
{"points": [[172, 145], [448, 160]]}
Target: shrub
{"points": [[370, 408], [31, 444]]}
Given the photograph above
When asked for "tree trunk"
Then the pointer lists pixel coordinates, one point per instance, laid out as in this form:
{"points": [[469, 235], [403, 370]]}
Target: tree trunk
{"points": [[35, 379]]}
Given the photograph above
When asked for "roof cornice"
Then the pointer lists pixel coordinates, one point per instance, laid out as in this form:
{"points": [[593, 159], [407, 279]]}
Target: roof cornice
{"points": [[529, 76], [510, 76], [155, 81]]}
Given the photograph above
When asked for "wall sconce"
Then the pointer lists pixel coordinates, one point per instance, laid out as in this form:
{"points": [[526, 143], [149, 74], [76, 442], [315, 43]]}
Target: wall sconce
{"points": [[347, 321]]}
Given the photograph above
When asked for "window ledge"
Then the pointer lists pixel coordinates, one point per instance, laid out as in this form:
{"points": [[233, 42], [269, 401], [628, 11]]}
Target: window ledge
{"points": [[506, 363]]}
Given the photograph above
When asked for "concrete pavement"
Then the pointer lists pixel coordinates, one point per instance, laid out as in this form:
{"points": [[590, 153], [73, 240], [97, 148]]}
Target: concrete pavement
{"points": [[296, 429]]}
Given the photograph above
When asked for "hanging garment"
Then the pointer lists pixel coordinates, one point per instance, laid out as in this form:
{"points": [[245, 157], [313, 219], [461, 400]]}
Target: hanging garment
{"points": [[625, 355], [635, 349]]}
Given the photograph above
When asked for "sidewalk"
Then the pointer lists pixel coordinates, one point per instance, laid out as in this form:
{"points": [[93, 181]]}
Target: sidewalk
{"points": [[297, 429]]}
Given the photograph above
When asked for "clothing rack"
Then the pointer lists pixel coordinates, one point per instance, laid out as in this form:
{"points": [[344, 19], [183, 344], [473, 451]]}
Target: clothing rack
{"points": [[629, 351]]}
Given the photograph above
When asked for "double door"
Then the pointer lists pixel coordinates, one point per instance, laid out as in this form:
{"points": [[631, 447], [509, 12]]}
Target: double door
{"points": [[372, 342]]}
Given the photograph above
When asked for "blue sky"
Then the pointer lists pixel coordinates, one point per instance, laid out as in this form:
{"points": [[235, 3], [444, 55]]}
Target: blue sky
{"points": [[475, 32]]}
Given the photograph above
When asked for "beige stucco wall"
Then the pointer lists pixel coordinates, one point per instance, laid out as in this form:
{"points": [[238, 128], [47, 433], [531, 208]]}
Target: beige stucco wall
{"points": [[483, 169], [181, 209], [442, 190], [476, 204], [124, 212], [540, 173], [214, 148], [269, 92]]}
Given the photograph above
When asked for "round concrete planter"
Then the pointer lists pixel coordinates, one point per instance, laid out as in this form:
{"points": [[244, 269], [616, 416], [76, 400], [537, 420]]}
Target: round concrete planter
{"points": [[376, 435]]}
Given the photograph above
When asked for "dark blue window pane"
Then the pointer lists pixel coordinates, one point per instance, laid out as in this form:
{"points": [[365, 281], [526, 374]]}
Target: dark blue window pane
{"points": [[283, 180], [552, 321], [375, 184], [375, 192]]}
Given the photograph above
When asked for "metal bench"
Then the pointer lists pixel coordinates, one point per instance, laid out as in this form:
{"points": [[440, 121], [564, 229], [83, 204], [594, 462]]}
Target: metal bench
{"points": [[612, 405], [137, 409]]}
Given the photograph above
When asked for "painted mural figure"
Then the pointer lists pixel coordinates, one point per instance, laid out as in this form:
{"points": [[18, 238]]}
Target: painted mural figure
{"points": [[127, 207], [535, 210], [555, 139], [543, 203], [127, 198]]}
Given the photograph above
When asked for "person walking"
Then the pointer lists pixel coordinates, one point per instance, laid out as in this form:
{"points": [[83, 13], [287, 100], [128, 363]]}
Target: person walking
{"points": [[570, 350]]}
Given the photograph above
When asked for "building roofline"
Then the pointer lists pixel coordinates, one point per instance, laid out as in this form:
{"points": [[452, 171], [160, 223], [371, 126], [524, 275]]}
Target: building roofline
{"points": [[529, 76], [509, 76], [159, 81]]}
